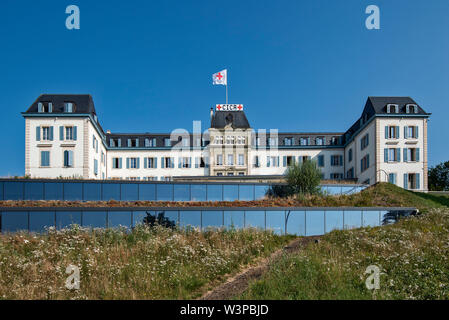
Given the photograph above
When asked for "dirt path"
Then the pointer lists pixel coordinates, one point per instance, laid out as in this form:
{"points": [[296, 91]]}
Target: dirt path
{"points": [[240, 282]]}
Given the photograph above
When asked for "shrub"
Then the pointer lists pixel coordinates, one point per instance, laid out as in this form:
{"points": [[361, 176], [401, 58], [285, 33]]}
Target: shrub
{"points": [[304, 178], [158, 219]]}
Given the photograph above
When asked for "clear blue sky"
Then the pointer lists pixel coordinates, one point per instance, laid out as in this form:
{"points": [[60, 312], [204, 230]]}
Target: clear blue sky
{"points": [[295, 65]]}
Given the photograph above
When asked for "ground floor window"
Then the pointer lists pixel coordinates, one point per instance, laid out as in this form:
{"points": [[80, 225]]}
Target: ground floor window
{"points": [[411, 181], [392, 178]]}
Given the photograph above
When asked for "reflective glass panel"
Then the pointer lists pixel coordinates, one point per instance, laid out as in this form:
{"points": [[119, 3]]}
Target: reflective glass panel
{"points": [[130, 191], [73, 191], [92, 191], [164, 192], [53, 191], [371, 218], [138, 217], [230, 192], [276, 221], [212, 219], [119, 218], [198, 192], [34, 191], [234, 218], [214, 192], [13, 190], [65, 219], [246, 192], [1, 190], [94, 219], [147, 192], [334, 190], [111, 191], [192, 218], [334, 220], [296, 223], [314, 223], [14, 221], [260, 191], [255, 219], [181, 192], [40, 220], [353, 219]]}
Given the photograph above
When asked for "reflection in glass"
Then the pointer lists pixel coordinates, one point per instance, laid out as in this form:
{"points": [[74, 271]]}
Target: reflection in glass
{"points": [[371, 218], [334, 190], [230, 192], [314, 223], [214, 192], [130, 191], [111, 191], [246, 192], [181, 192], [94, 219], [73, 191], [353, 219], [172, 216], [276, 221], [53, 191], [34, 191], [14, 221], [147, 192], [334, 220], [234, 219], [255, 219], [92, 191], [164, 192], [65, 219], [1, 190], [260, 191], [296, 223], [119, 219], [138, 217], [41, 220], [212, 219], [13, 190], [198, 192], [190, 218]]}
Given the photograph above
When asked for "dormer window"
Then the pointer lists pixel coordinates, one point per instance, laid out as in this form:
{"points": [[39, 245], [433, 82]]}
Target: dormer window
{"points": [[41, 107], [113, 143], [68, 107], [133, 143], [392, 108], [411, 108]]}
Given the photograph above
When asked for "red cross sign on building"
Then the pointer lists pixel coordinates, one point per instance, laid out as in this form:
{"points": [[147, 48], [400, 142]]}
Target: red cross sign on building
{"points": [[229, 107]]}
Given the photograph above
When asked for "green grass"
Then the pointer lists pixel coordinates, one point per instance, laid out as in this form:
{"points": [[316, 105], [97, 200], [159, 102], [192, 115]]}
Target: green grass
{"points": [[156, 263], [413, 256]]}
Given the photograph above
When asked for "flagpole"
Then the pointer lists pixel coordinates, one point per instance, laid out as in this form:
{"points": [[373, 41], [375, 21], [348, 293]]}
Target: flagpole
{"points": [[226, 92]]}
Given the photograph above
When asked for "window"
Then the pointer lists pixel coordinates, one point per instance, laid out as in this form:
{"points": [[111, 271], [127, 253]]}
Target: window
{"points": [[320, 141], [392, 154], [219, 174], [256, 163], [116, 163], [304, 141], [350, 155], [68, 107], [185, 162], [288, 141], [218, 140], [69, 133], [411, 154], [150, 142], [47, 133], [391, 132], [412, 181], [42, 108], [272, 141], [337, 176], [241, 173], [230, 160], [289, 160], [168, 163], [321, 160], [150, 163], [350, 173], [336, 160], [272, 161], [392, 108], [230, 173], [411, 108], [241, 160], [230, 139], [132, 163], [219, 159], [392, 178], [364, 163], [167, 142], [95, 143], [364, 141], [102, 157], [45, 158], [115, 143], [95, 166], [68, 158], [411, 132], [133, 143], [241, 140]]}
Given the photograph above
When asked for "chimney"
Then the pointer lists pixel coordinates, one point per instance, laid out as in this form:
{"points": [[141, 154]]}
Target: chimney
{"points": [[109, 131]]}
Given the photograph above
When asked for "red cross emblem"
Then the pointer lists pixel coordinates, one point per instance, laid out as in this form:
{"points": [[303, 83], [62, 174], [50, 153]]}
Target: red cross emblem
{"points": [[240, 107], [218, 107], [219, 76]]}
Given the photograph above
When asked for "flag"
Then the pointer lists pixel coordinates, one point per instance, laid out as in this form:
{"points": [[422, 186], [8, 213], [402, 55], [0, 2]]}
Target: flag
{"points": [[220, 77]]}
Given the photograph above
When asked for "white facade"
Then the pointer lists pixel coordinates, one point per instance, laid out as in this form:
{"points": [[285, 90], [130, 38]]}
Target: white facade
{"points": [[367, 154]]}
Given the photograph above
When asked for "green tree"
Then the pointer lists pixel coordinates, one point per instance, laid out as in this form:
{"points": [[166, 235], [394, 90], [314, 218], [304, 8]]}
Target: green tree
{"points": [[439, 177], [304, 178]]}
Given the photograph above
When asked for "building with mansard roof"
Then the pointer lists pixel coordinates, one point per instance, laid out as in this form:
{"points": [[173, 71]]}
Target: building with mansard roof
{"points": [[64, 138]]}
